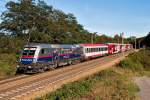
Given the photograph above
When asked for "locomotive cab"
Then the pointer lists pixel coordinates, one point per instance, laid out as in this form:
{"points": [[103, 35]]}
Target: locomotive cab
{"points": [[27, 59], [28, 55]]}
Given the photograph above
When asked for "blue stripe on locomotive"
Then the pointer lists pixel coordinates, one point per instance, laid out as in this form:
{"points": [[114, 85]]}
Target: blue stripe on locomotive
{"points": [[60, 58], [48, 59]]}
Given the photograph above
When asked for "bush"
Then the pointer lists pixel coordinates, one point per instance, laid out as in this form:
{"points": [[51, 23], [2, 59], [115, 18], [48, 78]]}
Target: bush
{"points": [[131, 64], [6, 69], [137, 61], [76, 89], [7, 64]]}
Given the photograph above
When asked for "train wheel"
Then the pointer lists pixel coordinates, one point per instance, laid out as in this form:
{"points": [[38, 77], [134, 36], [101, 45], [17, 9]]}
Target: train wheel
{"points": [[41, 70], [20, 71], [55, 65], [70, 63]]}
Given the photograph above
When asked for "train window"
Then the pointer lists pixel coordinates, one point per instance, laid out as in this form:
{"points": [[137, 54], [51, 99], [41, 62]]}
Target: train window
{"points": [[31, 52], [101, 49], [28, 52], [86, 50], [42, 51], [25, 52], [106, 48], [90, 49], [97, 49]]}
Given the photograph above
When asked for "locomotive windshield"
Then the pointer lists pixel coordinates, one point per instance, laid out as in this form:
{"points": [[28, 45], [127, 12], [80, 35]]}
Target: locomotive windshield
{"points": [[29, 51]]}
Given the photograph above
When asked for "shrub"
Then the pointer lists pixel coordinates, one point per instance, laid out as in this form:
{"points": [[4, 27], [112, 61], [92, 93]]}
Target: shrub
{"points": [[7, 64], [131, 64], [137, 61], [76, 89]]}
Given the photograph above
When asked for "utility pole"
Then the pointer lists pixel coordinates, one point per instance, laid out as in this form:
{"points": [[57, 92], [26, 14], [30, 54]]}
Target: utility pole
{"points": [[122, 34], [135, 43], [139, 44], [92, 38]]}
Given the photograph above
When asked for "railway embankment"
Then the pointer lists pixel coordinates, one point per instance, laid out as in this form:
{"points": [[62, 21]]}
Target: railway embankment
{"points": [[114, 83]]}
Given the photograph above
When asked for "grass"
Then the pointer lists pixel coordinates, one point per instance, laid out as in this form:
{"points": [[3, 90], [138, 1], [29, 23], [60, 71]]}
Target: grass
{"points": [[138, 62], [7, 65]]}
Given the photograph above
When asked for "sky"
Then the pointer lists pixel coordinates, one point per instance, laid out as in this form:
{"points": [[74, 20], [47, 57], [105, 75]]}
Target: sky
{"points": [[106, 16]]}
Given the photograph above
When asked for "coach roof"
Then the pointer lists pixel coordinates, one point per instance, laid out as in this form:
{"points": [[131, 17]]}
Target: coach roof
{"points": [[93, 45], [44, 45]]}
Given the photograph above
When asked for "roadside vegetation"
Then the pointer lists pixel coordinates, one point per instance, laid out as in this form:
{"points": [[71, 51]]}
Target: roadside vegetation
{"points": [[7, 65], [112, 84], [138, 62]]}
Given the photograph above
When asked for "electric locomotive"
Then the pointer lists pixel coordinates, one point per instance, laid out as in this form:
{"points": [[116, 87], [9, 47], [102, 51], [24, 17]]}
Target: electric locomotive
{"points": [[40, 57]]}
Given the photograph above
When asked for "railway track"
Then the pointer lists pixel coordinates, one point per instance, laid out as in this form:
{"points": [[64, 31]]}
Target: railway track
{"points": [[18, 77], [22, 87]]}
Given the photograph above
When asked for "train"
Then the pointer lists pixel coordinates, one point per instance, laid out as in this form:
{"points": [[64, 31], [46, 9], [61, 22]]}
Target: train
{"points": [[39, 57]]}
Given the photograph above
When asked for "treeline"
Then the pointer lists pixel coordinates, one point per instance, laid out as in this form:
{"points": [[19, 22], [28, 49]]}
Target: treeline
{"points": [[34, 21], [145, 41]]}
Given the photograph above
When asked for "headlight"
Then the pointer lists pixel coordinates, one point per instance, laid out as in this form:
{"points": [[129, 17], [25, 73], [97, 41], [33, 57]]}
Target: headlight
{"points": [[17, 66], [29, 67]]}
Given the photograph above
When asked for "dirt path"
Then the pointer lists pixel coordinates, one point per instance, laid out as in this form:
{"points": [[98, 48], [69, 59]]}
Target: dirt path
{"points": [[144, 85]]}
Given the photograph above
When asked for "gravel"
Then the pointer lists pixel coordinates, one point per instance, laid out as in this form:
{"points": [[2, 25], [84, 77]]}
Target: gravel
{"points": [[144, 85]]}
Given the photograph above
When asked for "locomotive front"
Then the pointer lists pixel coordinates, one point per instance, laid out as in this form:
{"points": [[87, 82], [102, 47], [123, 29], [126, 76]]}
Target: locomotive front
{"points": [[27, 59]]}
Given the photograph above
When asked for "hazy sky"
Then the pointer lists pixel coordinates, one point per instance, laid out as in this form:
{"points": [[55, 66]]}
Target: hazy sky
{"points": [[107, 16]]}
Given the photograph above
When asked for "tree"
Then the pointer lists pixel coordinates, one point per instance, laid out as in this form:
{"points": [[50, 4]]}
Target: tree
{"points": [[146, 40], [117, 38]]}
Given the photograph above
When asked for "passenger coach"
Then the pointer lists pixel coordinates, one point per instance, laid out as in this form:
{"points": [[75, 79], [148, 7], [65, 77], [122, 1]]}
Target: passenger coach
{"points": [[94, 50]]}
